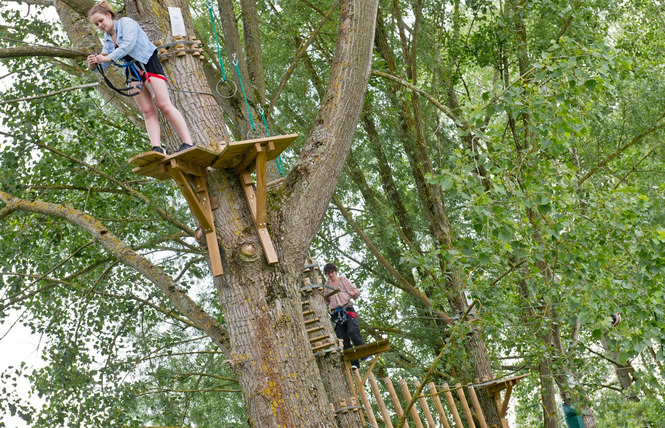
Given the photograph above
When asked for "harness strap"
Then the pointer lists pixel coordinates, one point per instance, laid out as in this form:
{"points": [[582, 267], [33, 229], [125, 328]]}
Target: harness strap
{"points": [[121, 91]]}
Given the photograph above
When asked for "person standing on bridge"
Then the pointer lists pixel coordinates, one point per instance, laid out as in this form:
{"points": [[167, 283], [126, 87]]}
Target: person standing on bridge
{"points": [[342, 313]]}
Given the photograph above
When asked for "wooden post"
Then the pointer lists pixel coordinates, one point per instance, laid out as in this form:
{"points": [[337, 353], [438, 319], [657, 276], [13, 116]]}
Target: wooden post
{"points": [[438, 405], [476, 405], [253, 203], [261, 193], [363, 396], [499, 405], [425, 407], [407, 397], [465, 405], [379, 401], [451, 404], [198, 200], [395, 399]]}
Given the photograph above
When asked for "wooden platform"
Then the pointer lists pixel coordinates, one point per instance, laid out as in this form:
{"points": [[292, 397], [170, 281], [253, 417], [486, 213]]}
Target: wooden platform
{"points": [[367, 350], [494, 388], [238, 152], [188, 169]]}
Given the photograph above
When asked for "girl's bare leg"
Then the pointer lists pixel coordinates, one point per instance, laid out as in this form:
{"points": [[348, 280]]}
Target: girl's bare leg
{"points": [[169, 111], [144, 101]]}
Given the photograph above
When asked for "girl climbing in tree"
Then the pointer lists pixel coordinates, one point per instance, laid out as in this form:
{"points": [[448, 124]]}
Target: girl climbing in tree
{"points": [[126, 40]]}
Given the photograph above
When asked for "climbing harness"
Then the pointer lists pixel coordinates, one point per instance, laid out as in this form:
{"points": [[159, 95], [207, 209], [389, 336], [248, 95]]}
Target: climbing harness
{"points": [[340, 315], [134, 68]]}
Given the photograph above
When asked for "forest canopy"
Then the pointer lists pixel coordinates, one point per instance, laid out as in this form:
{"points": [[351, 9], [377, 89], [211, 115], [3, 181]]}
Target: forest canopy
{"points": [[500, 154]]}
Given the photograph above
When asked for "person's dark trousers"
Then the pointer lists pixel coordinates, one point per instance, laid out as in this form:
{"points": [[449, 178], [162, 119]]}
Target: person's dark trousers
{"points": [[349, 332]]}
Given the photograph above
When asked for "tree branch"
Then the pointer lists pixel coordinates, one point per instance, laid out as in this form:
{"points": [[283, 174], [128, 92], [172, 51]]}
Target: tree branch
{"points": [[179, 299], [38, 50], [37, 2], [623, 149], [299, 54], [311, 183], [417, 90], [72, 88]]}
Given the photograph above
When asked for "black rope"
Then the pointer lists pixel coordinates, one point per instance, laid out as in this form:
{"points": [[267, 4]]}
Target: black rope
{"points": [[121, 91]]}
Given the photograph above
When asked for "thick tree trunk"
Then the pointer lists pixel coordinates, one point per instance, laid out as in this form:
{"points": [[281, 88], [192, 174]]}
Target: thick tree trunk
{"points": [[270, 349]]}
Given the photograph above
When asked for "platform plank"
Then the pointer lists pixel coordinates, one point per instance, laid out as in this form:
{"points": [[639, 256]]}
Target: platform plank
{"points": [[235, 151], [197, 155], [366, 350], [146, 158], [496, 385], [154, 170]]}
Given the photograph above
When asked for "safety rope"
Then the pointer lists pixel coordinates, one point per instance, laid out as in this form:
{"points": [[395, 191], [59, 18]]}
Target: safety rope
{"points": [[242, 87], [278, 161], [137, 88], [214, 30]]}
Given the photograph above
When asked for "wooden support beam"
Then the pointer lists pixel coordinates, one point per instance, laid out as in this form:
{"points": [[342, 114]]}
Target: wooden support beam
{"points": [[195, 191], [371, 366], [262, 231], [194, 204], [187, 167], [261, 191], [215, 256], [247, 163], [506, 398]]}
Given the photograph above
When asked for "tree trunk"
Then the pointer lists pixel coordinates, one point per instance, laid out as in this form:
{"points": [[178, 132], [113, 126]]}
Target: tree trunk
{"points": [[270, 350], [624, 373]]}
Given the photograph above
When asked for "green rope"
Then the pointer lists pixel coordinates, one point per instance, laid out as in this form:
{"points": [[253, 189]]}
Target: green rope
{"points": [[278, 161], [249, 112], [214, 29]]}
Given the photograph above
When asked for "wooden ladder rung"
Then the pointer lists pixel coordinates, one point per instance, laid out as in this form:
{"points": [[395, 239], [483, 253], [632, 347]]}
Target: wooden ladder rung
{"points": [[305, 313], [311, 321], [315, 329], [322, 346], [305, 302], [318, 338]]}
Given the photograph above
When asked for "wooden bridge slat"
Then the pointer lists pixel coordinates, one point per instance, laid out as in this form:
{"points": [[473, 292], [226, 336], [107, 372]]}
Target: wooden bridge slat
{"points": [[366, 350], [196, 155], [232, 155], [146, 158]]}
